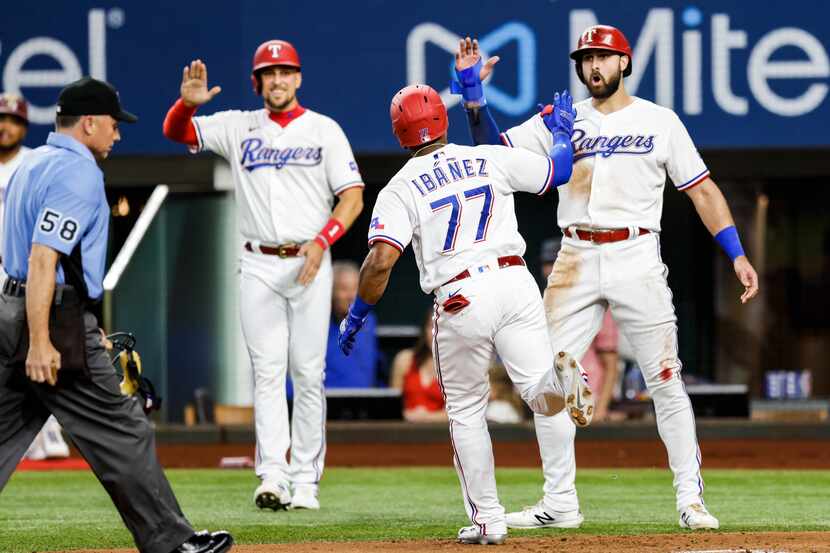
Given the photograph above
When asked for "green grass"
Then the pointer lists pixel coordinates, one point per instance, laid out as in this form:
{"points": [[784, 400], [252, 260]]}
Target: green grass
{"points": [[64, 510]]}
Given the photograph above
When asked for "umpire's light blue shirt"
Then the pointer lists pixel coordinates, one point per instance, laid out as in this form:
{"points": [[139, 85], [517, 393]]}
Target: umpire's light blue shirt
{"points": [[56, 198]]}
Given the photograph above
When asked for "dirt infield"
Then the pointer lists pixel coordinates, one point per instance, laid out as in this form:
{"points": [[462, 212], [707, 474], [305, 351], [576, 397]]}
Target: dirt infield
{"points": [[756, 453], [743, 542]]}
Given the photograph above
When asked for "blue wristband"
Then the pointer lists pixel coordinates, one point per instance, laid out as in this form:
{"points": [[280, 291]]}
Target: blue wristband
{"points": [[360, 308], [730, 242]]}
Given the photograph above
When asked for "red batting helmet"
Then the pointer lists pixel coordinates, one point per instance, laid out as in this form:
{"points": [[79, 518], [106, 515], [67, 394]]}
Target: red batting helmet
{"points": [[601, 37], [12, 104], [273, 52], [418, 115]]}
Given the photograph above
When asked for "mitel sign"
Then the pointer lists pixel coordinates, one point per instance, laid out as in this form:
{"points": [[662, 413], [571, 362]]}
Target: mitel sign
{"points": [[659, 47]]}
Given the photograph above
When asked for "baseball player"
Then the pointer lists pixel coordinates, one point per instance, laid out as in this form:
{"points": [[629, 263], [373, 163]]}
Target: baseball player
{"points": [[609, 212], [288, 163], [455, 205], [14, 123]]}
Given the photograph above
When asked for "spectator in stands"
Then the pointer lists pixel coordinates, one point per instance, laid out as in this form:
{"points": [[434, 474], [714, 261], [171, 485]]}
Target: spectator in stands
{"points": [[361, 368], [413, 373], [505, 405], [601, 361]]}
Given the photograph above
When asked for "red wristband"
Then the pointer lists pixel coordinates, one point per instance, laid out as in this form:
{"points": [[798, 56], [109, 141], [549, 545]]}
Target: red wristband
{"points": [[330, 234]]}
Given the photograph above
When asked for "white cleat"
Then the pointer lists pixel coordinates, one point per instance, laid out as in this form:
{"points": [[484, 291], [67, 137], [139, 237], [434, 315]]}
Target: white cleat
{"points": [[53, 442], [539, 516], [305, 497], [579, 399], [474, 536], [696, 517], [272, 495], [37, 450]]}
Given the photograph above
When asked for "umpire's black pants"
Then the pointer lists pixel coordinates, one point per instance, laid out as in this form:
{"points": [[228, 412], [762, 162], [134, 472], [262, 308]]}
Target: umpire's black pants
{"points": [[109, 429]]}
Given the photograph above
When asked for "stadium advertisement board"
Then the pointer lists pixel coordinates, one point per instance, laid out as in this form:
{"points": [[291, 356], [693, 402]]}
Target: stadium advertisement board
{"points": [[739, 78]]}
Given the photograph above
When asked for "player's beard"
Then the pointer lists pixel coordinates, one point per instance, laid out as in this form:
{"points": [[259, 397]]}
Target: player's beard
{"points": [[275, 107], [606, 88]]}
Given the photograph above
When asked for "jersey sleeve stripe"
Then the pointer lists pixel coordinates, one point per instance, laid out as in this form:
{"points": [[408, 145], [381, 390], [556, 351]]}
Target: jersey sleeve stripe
{"points": [[694, 181], [506, 139], [350, 184], [548, 178], [201, 145], [386, 240]]}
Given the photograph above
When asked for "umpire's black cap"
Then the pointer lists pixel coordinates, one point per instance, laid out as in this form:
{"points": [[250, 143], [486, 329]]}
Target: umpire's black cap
{"points": [[88, 96]]}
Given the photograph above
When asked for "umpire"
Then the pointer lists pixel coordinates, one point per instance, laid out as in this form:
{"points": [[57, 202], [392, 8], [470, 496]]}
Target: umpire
{"points": [[51, 356]]}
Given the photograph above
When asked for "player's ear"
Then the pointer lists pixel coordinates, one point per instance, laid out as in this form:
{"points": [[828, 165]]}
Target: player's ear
{"points": [[624, 63], [299, 76]]}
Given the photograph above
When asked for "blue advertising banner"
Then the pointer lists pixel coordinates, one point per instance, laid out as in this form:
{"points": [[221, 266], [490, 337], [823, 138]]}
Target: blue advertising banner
{"points": [[738, 77]]}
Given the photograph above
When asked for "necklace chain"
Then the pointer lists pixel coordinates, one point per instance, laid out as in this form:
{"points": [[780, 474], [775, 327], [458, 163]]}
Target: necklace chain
{"points": [[418, 151]]}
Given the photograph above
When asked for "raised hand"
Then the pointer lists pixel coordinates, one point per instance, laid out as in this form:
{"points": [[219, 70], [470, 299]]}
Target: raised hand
{"points": [[468, 55], [560, 116], [194, 89]]}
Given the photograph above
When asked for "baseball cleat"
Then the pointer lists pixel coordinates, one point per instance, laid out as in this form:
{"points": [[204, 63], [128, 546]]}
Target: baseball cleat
{"points": [[579, 399], [696, 517], [305, 497], [474, 536], [272, 495], [539, 516]]}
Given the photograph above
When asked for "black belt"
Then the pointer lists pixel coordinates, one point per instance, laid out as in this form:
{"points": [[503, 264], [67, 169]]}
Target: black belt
{"points": [[17, 289]]}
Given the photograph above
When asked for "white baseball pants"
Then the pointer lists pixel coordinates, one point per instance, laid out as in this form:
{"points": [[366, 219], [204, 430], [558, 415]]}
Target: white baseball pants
{"points": [[285, 326], [505, 318], [630, 277]]}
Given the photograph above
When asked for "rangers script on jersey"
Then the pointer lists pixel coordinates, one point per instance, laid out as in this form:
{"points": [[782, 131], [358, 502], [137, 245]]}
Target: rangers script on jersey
{"points": [[456, 207], [620, 163], [286, 177]]}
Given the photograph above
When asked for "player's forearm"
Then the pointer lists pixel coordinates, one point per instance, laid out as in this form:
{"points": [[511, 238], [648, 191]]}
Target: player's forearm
{"points": [[40, 290], [375, 272], [345, 212], [711, 206], [483, 127], [178, 124], [349, 206]]}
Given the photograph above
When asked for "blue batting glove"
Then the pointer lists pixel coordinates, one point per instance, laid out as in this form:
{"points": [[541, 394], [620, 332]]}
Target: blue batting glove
{"points": [[469, 85], [351, 325], [560, 116]]}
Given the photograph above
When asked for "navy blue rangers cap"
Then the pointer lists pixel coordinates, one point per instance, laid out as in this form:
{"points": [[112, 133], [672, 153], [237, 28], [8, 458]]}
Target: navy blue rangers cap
{"points": [[88, 96]]}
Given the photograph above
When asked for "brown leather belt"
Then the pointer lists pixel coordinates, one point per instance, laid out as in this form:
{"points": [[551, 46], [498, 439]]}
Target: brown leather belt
{"points": [[604, 236], [283, 250], [506, 261]]}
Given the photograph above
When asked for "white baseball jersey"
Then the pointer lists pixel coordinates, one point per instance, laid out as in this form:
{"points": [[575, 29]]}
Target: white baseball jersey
{"points": [[285, 177], [456, 207], [6, 171], [620, 163]]}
